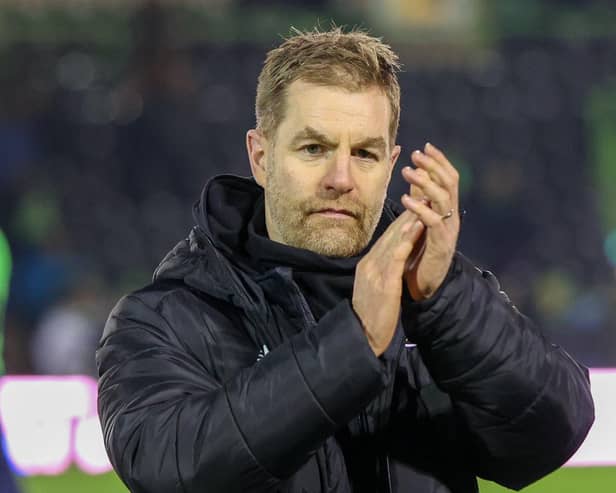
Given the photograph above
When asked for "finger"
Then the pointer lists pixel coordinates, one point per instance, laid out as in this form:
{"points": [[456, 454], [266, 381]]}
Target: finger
{"points": [[417, 192], [394, 230], [438, 196], [397, 241], [410, 233], [405, 232], [426, 215], [434, 152], [437, 171]]}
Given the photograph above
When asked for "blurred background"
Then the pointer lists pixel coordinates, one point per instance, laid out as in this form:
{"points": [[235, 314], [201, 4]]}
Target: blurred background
{"points": [[114, 113]]}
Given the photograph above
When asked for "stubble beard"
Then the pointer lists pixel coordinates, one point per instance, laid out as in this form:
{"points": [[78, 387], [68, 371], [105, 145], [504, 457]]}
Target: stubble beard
{"points": [[298, 225]]}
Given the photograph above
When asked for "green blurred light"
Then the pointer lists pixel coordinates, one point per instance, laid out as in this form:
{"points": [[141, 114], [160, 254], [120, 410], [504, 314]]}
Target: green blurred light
{"points": [[465, 171], [554, 293], [610, 247]]}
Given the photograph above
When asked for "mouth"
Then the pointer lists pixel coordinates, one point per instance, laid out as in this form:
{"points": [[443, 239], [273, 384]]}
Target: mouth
{"points": [[336, 213]]}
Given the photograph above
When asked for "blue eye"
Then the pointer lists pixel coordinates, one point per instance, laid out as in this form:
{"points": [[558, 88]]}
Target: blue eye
{"points": [[313, 149]]}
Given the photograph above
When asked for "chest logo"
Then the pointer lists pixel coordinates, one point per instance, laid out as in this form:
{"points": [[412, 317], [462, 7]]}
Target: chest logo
{"points": [[264, 350]]}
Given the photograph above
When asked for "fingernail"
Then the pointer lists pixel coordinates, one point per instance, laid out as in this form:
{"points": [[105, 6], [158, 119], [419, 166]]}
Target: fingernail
{"points": [[428, 145]]}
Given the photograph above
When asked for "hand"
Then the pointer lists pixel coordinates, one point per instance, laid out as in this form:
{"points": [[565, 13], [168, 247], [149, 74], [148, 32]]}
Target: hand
{"points": [[377, 289], [434, 192]]}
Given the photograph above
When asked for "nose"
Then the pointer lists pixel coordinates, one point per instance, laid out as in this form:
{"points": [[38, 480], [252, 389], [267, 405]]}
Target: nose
{"points": [[339, 178]]}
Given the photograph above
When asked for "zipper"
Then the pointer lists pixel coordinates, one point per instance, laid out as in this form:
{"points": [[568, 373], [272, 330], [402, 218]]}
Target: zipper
{"points": [[308, 319], [383, 459], [361, 423], [388, 488]]}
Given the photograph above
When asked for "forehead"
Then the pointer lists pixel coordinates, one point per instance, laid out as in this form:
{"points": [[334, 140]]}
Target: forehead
{"points": [[334, 110]]}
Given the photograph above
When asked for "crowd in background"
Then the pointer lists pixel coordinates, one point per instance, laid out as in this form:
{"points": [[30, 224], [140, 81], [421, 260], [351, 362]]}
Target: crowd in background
{"points": [[100, 164]]}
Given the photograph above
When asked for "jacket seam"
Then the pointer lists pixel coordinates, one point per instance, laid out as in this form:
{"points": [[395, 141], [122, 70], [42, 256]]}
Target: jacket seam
{"points": [[244, 440], [514, 420], [538, 397], [177, 455], [312, 393], [464, 376]]}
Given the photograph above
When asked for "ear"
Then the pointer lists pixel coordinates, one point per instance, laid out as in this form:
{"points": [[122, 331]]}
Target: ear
{"points": [[395, 154], [256, 145]]}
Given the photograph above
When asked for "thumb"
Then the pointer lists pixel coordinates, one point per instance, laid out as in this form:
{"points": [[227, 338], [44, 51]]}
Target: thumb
{"points": [[419, 246], [411, 233]]}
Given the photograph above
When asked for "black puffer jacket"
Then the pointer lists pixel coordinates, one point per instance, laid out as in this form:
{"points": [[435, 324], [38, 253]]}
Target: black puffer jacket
{"points": [[213, 379]]}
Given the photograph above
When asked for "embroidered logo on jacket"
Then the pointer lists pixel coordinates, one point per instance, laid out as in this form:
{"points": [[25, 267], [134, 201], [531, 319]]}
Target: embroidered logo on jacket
{"points": [[264, 350]]}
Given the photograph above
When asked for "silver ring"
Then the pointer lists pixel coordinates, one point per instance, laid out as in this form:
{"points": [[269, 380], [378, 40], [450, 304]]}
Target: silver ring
{"points": [[448, 215]]}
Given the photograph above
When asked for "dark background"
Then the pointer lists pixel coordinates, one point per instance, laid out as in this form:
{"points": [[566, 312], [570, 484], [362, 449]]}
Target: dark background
{"points": [[114, 114]]}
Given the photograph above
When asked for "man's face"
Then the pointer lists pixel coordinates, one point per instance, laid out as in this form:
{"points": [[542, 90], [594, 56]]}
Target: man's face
{"points": [[327, 169]]}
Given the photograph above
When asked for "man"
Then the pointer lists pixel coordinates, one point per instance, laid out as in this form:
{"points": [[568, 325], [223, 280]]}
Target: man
{"points": [[311, 336]]}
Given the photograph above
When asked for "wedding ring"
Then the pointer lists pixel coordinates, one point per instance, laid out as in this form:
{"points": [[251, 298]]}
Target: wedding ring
{"points": [[448, 215]]}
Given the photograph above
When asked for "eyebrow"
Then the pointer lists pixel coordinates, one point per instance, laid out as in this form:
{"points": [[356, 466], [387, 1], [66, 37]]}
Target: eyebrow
{"points": [[309, 133], [374, 143]]}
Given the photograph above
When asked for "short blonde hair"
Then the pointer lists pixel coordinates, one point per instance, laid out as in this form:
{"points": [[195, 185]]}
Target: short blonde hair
{"points": [[352, 60]]}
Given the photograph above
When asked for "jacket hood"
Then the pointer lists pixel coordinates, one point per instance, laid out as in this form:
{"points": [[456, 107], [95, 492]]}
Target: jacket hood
{"points": [[221, 215], [213, 259], [226, 205], [203, 260]]}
